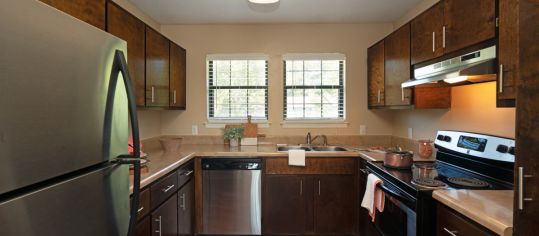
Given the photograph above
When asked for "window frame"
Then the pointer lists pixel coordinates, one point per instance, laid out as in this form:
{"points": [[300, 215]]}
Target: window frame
{"points": [[217, 121], [329, 122]]}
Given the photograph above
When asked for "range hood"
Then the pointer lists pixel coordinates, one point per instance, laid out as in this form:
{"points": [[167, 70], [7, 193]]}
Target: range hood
{"points": [[474, 67]]}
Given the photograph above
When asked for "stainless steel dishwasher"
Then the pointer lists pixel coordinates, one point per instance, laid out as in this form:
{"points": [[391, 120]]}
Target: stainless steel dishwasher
{"points": [[231, 190]]}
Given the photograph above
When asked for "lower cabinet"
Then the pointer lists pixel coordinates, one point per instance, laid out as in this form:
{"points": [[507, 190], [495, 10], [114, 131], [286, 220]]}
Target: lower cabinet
{"points": [[186, 202], [335, 201], [165, 218], [144, 227], [450, 223]]}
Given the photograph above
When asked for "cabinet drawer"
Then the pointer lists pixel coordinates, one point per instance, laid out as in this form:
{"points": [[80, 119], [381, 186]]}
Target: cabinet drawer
{"points": [[451, 223], [185, 173], [163, 188], [313, 165], [144, 204]]}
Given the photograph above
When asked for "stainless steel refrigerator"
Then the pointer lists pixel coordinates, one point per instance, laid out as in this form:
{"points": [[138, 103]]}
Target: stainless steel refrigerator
{"points": [[65, 104]]}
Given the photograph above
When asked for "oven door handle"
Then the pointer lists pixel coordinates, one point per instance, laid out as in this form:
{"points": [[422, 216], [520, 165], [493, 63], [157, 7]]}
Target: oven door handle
{"points": [[400, 197]]}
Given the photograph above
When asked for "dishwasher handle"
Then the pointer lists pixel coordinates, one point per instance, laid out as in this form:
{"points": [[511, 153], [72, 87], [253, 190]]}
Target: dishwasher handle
{"points": [[223, 163]]}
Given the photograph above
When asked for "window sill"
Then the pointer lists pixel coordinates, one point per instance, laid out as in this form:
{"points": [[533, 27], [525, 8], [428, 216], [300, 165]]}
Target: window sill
{"points": [[291, 124], [220, 124]]}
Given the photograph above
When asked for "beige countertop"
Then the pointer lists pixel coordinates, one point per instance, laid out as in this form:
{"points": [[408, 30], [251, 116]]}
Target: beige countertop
{"points": [[490, 208]]}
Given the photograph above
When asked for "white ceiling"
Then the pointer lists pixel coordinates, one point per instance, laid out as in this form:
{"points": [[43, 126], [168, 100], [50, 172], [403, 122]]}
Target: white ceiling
{"points": [[286, 11]]}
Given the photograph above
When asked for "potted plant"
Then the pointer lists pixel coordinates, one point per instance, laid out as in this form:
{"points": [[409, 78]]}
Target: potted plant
{"points": [[234, 135]]}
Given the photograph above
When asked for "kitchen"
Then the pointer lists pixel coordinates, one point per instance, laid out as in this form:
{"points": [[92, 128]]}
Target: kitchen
{"points": [[331, 88]]}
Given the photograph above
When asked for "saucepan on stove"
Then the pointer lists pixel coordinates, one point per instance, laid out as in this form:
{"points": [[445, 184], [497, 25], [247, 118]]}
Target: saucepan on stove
{"points": [[398, 159]]}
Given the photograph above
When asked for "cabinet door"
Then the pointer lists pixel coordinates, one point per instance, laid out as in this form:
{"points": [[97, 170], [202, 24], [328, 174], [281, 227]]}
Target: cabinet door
{"points": [[165, 218], [335, 204], [127, 27], [89, 11], [144, 227], [468, 22], [508, 52], [375, 75], [177, 77], [286, 204], [157, 69], [450, 223], [186, 209], [426, 33], [397, 67]]}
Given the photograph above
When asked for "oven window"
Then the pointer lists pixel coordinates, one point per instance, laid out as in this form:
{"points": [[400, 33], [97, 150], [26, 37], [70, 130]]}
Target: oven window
{"points": [[397, 219]]}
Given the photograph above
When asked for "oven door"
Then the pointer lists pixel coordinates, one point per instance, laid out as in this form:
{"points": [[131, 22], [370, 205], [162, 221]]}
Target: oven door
{"points": [[398, 217]]}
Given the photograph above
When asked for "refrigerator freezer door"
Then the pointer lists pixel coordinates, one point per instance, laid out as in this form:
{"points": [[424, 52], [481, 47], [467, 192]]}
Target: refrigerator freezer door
{"points": [[54, 72], [91, 204]]}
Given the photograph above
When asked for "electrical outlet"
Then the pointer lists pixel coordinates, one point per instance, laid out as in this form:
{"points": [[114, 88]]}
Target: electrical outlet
{"points": [[410, 133], [194, 130], [362, 129]]}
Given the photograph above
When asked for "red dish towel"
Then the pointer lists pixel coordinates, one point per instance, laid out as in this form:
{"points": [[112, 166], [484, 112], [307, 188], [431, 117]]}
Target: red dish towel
{"points": [[374, 197]]}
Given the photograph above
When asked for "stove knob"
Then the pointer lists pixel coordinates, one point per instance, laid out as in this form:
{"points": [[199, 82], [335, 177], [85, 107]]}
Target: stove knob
{"points": [[447, 138], [440, 137], [512, 151], [502, 148]]}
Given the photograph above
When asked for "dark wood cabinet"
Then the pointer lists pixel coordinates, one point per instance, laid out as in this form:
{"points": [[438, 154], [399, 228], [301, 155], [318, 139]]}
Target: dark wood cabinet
{"points": [[144, 227], [468, 23], [129, 28], [186, 203], [508, 52], [335, 201], [177, 77], [449, 223], [397, 67], [375, 75], [89, 11], [286, 201], [163, 188], [165, 218], [157, 69], [426, 34]]}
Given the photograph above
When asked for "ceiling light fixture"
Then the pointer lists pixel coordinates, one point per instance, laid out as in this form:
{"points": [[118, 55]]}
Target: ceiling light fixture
{"points": [[263, 1], [456, 79]]}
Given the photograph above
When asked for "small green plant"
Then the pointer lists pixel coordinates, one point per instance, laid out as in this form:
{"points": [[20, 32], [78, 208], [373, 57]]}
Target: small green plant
{"points": [[233, 133]]}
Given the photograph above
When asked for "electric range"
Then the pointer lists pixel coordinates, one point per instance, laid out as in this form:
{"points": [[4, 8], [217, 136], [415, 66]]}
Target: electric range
{"points": [[463, 161]]}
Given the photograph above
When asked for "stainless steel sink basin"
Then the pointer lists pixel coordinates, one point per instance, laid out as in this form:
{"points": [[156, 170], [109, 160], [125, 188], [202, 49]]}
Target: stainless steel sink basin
{"points": [[312, 148]]}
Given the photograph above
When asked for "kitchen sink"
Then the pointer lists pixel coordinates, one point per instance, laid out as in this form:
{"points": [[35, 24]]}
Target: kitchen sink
{"points": [[312, 148]]}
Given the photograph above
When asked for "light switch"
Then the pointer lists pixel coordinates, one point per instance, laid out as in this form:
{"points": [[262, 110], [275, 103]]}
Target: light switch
{"points": [[194, 130], [410, 133], [362, 129]]}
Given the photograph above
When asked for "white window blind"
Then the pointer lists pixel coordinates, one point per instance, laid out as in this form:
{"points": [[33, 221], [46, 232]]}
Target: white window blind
{"points": [[314, 86], [237, 86]]}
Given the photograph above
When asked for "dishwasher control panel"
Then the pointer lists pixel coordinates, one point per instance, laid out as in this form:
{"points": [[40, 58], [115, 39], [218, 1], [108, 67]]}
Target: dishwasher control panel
{"points": [[224, 163]]}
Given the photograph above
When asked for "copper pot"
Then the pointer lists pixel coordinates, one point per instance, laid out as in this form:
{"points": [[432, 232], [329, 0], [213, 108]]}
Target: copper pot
{"points": [[396, 158]]}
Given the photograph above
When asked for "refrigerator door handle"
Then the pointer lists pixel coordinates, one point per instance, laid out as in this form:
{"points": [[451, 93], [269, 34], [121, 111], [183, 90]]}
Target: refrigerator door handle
{"points": [[119, 65]]}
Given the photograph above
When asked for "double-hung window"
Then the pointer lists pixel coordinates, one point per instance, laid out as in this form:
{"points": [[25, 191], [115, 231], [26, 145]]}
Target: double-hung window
{"points": [[314, 87], [237, 87]]}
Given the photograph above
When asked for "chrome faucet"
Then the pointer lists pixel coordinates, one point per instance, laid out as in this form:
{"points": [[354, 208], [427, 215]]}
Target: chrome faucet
{"points": [[310, 140]]}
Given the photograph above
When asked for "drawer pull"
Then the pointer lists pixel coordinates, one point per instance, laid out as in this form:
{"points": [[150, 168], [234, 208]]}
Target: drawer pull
{"points": [[168, 188], [452, 233], [188, 173], [364, 171], [140, 209]]}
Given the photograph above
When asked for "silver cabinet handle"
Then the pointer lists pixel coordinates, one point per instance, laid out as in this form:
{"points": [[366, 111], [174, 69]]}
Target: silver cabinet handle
{"points": [[521, 197], [159, 228], [188, 173], [301, 187], [500, 77], [182, 197], [153, 94], [433, 41], [174, 95], [168, 188], [319, 187], [443, 36], [452, 233], [379, 91], [140, 209], [364, 171], [402, 94]]}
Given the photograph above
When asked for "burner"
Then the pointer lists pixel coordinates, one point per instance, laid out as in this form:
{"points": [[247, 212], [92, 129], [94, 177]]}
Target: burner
{"points": [[467, 182], [429, 183]]}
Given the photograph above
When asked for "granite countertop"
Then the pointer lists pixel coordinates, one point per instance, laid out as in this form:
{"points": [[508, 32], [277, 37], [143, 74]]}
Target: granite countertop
{"points": [[491, 208]]}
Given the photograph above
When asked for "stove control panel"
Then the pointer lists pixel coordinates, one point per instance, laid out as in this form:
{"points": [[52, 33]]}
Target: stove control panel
{"points": [[479, 145]]}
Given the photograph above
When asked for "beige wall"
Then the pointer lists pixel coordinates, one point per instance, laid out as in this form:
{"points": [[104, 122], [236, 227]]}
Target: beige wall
{"points": [[275, 40]]}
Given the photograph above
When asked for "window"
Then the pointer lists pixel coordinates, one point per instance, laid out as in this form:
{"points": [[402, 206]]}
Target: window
{"points": [[314, 86], [237, 87]]}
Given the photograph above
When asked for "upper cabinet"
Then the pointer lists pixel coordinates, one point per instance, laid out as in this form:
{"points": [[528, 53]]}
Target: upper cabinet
{"points": [[467, 23], [427, 34], [127, 27], [157, 69], [375, 74], [89, 11], [397, 67], [177, 77], [508, 53]]}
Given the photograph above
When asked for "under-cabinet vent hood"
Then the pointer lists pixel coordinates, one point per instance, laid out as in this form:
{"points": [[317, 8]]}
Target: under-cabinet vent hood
{"points": [[474, 67]]}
